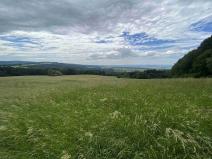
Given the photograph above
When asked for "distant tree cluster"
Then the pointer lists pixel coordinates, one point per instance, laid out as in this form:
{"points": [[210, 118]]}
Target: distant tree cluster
{"points": [[197, 63], [20, 71], [16, 71], [52, 72], [147, 74]]}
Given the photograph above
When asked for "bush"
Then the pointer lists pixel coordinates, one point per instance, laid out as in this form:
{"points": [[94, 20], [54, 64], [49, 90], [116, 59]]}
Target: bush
{"points": [[54, 73]]}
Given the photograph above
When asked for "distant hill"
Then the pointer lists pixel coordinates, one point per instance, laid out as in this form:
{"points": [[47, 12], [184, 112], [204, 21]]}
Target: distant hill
{"points": [[56, 65], [197, 63], [46, 65], [14, 62], [22, 68]]}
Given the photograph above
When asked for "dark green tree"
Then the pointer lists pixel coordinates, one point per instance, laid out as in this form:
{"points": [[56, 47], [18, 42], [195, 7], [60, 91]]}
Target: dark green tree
{"points": [[197, 63]]}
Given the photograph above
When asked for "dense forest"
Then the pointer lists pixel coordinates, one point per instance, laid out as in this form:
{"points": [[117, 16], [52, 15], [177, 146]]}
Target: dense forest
{"points": [[197, 63]]}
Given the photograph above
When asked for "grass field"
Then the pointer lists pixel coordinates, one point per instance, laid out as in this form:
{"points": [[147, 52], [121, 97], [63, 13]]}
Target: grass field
{"points": [[94, 117]]}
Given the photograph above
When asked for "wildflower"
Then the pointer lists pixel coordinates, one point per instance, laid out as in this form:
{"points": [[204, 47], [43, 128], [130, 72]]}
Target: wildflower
{"points": [[89, 134], [30, 130], [81, 156], [65, 155], [136, 104], [116, 114], [2, 128], [103, 99]]}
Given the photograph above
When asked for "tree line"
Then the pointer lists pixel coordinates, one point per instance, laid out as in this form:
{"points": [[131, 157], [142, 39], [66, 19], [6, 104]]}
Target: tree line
{"points": [[21, 71]]}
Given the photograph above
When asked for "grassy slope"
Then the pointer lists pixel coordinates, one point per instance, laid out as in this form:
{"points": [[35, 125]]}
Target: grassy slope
{"points": [[105, 117]]}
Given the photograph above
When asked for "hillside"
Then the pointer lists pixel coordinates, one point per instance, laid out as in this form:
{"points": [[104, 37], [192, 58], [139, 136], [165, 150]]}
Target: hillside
{"points": [[197, 63]]}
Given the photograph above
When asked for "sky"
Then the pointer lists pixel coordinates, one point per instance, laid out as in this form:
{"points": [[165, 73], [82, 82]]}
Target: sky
{"points": [[103, 32]]}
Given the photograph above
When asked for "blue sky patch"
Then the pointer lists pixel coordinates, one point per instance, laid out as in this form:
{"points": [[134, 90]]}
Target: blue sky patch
{"points": [[144, 39], [204, 25], [17, 41]]}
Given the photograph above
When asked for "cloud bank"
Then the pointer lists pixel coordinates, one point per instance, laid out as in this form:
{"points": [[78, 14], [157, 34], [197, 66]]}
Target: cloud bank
{"points": [[102, 31]]}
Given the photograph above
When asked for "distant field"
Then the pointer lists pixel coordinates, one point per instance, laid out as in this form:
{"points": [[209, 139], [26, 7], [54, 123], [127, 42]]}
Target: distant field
{"points": [[94, 117]]}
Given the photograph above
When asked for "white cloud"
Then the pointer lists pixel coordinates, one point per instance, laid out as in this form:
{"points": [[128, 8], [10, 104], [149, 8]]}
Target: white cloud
{"points": [[77, 31]]}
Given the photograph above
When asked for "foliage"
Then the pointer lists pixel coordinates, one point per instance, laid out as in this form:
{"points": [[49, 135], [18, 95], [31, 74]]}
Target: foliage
{"points": [[55, 71], [19, 71], [147, 74], [96, 117], [52, 72], [197, 63]]}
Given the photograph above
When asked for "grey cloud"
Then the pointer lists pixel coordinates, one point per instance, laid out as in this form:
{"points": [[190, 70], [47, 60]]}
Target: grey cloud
{"points": [[36, 15], [82, 15], [116, 54], [87, 16], [124, 53]]}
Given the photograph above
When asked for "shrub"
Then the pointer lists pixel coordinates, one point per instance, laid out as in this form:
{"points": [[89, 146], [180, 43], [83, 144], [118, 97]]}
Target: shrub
{"points": [[52, 72]]}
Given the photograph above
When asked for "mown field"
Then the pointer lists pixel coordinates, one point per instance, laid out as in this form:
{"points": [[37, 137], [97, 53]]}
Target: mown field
{"points": [[94, 117]]}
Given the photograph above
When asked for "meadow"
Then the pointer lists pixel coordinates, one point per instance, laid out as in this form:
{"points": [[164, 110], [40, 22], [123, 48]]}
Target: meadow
{"points": [[96, 117]]}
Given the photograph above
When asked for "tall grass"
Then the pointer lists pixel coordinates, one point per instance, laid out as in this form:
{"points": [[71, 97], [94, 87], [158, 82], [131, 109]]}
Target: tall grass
{"points": [[93, 117]]}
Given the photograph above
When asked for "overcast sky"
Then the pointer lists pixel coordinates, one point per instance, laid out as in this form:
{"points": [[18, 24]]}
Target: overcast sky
{"points": [[102, 31]]}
